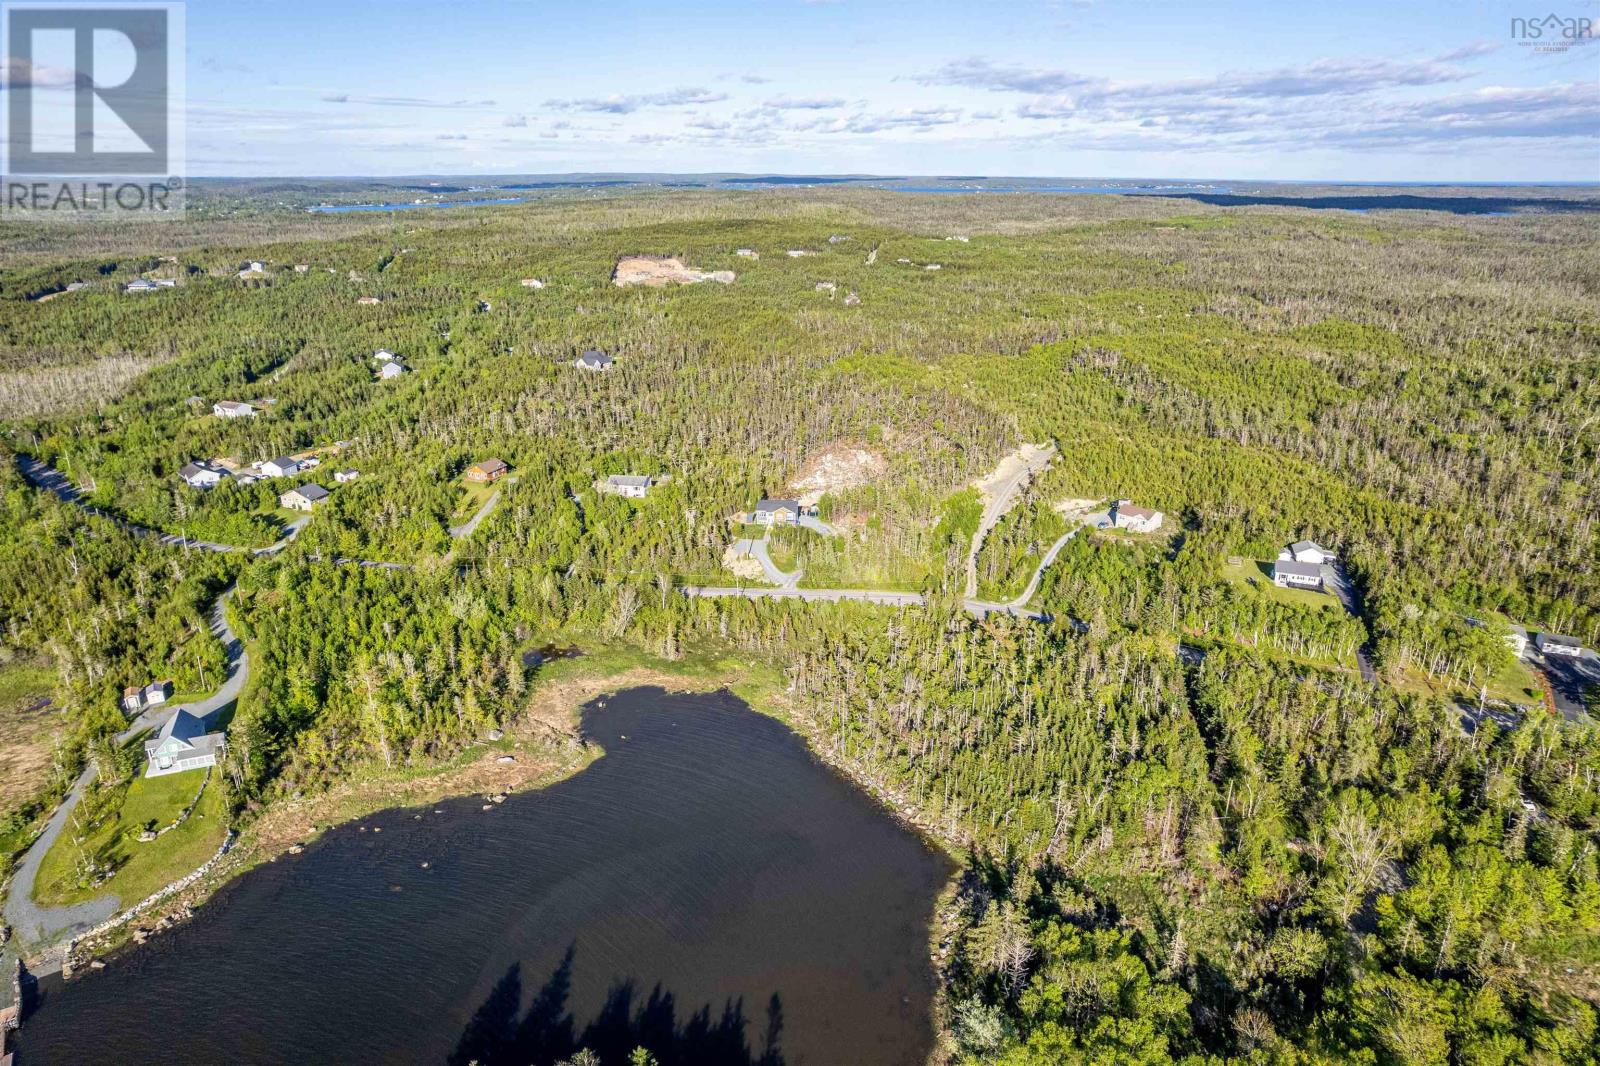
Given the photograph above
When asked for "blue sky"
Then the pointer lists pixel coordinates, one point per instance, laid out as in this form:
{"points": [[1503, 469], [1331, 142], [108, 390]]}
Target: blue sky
{"points": [[1353, 90]]}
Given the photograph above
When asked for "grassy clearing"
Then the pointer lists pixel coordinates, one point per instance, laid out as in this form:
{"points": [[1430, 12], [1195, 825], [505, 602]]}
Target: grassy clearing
{"points": [[473, 496], [113, 843], [27, 724], [1259, 573]]}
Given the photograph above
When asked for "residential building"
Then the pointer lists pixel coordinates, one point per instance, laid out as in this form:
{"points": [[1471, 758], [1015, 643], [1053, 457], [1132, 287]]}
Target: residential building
{"points": [[384, 355], [368, 301], [1287, 573], [343, 476], [631, 485], [776, 512], [303, 498], [1517, 640], [1554, 644], [232, 409], [594, 359], [1306, 551], [748, 253], [141, 285], [490, 470], [199, 475], [182, 743], [532, 283], [1124, 515], [280, 467], [391, 370], [136, 699]]}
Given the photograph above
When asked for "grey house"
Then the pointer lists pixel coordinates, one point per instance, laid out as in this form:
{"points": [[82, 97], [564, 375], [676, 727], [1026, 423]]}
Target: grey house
{"points": [[631, 485], [594, 359], [1287, 573], [182, 744]]}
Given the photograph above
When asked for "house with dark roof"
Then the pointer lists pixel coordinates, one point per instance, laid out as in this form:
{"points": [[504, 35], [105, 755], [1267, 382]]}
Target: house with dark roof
{"points": [[200, 476], [490, 470], [280, 467], [182, 743], [303, 498], [594, 359], [1287, 573], [1555, 644]]}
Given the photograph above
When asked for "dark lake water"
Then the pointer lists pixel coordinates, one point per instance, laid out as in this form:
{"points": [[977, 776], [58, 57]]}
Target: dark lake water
{"points": [[707, 888]]}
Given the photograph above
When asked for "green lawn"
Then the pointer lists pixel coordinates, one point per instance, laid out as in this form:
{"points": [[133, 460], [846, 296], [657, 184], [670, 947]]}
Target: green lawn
{"points": [[140, 869], [1244, 571], [474, 496]]}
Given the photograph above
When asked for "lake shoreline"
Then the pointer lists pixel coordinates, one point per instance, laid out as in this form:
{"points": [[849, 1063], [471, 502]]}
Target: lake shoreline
{"points": [[540, 764]]}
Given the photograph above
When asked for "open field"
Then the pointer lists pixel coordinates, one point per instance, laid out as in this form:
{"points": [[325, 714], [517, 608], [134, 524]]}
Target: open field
{"points": [[28, 723]]}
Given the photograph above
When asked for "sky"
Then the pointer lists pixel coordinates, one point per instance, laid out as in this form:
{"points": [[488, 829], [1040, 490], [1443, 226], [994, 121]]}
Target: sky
{"points": [[1350, 90]]}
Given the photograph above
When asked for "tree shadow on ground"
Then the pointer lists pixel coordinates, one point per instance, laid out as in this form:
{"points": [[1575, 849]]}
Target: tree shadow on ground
{"points": [[503, 1033]]}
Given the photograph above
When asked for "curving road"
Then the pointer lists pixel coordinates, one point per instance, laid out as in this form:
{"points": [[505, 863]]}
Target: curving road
{"points": [[1033, 459], [757, 550], [36, 926], [41, 475]]}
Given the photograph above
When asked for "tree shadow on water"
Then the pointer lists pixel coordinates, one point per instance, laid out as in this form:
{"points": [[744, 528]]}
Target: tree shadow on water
{"points": [[501, 1033]]}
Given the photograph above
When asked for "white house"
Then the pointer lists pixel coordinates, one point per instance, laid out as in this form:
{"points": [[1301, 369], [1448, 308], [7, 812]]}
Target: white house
{"points": [[776, 512], [1306, 551], [532, 283], [232, 409], [1553, 644], [1124, 515], [342, 476], [747, 253], [182, 744], [199, 475], [303, 498], [391, 370], [1287, 573], [634, 486], [280, 467], [384, 355], [594, 359], [1517, 640]]}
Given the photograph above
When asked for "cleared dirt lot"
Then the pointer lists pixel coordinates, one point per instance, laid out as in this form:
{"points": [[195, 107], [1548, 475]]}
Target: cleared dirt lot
{"points": [[656, 271]]}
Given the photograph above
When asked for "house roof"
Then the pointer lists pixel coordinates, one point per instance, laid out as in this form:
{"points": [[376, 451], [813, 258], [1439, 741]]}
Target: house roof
{"points": [[1556, 638], [595, 357], [182, 730], [313, 492], [630, 481], [489, 466], [232, 405], [1308, 545], [1294, 569], [193, 470], [284, 463], [1136, 512], [769, 506]]}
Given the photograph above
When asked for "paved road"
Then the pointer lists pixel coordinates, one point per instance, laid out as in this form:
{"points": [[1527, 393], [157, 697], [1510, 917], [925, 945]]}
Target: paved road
{"points": [[1568, 677], [757, 550], [1034, 459], [978, 607], [1094, 521], [1338, 582], [466, 528], [42, 475], [37, 927]]}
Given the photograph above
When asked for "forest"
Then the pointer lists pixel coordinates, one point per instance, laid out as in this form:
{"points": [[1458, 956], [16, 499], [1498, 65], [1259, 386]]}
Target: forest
{"points": [[1190, 830]]}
